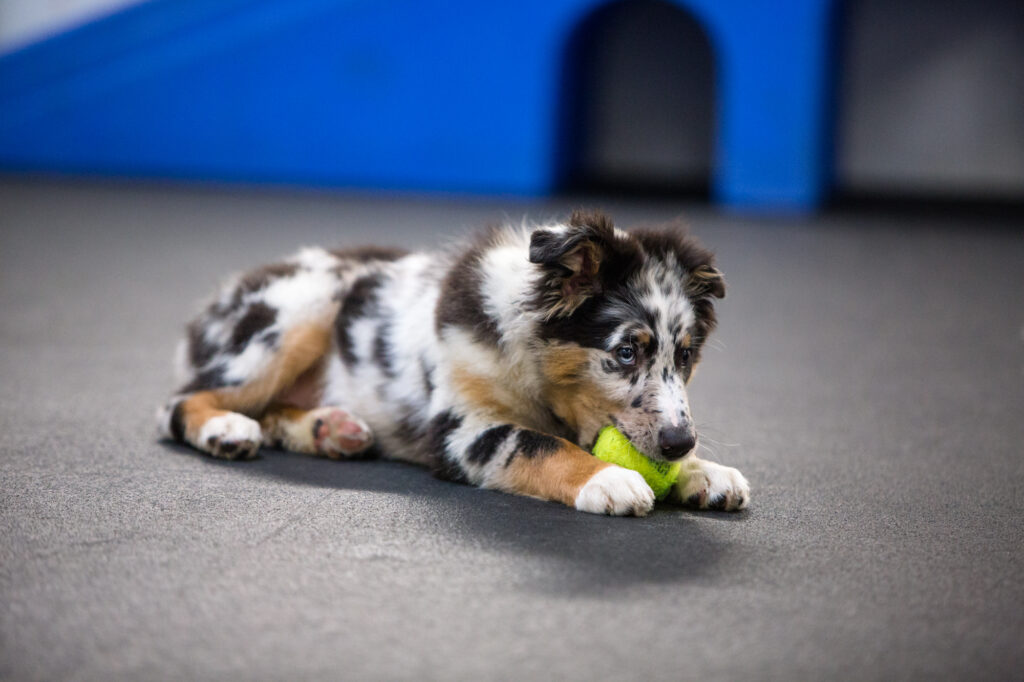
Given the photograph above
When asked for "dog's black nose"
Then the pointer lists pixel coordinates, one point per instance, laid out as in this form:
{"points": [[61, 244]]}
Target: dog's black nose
{"points": [[676, 441]]}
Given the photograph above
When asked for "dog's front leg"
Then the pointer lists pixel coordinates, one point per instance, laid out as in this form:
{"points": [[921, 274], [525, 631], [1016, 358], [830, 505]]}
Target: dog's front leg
{"points": [[707, 485], [527, 462]]}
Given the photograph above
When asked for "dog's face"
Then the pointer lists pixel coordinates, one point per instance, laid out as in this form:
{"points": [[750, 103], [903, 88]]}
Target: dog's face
{"points": [[624, 318]]}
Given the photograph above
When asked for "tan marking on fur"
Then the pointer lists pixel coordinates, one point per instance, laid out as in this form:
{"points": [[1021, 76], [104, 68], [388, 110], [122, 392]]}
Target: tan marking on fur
{"points": [[307, 389], [577, 400], [196, 410], [687, 340], [277, 425], [643, 337], [302, 349], [563, 363], [558, 476], [484, 392]]}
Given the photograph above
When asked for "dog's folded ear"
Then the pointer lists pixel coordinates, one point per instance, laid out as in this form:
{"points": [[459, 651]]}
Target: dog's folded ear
{"points": [[571, 258], [705, 280]]}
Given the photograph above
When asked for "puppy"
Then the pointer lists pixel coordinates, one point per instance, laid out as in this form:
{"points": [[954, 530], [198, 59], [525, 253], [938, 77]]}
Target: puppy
{"points": [[496, 366]]}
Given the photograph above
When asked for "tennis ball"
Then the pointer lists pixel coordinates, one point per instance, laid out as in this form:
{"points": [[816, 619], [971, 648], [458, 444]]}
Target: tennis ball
{"points": [[613, 447]]}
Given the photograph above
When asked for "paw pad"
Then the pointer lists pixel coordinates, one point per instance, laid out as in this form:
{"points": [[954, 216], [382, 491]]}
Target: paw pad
{"points": [[337, 433]]}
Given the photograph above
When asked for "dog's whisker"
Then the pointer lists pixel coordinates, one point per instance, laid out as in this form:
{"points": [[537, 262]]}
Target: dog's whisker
{"points": [[718, 442], [704, 446], [703, 427]]}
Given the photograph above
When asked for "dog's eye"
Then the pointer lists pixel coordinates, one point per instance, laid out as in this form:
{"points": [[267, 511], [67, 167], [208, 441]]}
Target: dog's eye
{"points": [[683, 357], [626, 354]]}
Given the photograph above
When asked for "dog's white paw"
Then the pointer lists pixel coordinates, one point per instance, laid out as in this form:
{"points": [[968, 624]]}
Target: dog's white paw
{"points": [[230, 436], [707, 485], [616, 491]]}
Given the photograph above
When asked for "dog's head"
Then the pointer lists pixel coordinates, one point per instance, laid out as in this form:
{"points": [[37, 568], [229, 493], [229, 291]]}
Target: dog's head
{"points": [[624, 316]]}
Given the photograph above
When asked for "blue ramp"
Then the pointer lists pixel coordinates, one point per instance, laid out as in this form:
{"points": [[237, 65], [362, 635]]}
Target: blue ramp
{"points": [[413, 95]]}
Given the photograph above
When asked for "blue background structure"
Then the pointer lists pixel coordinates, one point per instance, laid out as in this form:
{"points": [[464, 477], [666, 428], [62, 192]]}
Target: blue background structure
{"points": [[461, 96]]}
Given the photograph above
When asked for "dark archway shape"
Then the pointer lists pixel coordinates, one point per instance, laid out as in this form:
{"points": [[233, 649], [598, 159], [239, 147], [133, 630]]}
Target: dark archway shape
{"points": [[638, 101]]}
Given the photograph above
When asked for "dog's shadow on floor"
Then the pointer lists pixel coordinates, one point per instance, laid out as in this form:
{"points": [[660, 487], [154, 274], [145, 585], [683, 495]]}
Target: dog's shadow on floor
{"points": [[577, 553]]}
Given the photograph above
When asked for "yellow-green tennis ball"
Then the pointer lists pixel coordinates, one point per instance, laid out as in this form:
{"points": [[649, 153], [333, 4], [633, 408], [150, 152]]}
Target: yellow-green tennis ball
{"points": [[613, 447]]}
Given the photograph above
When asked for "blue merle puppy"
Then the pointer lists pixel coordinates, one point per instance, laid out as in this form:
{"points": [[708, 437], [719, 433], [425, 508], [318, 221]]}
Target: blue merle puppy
{"points": [[496, 366]]}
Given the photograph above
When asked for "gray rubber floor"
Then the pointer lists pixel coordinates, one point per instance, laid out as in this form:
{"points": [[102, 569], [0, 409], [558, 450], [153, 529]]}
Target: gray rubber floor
{"points": [[868, 378]]}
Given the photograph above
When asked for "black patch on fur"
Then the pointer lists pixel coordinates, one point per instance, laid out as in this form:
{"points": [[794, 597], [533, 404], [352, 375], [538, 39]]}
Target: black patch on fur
{"points": [[652, 316], [487, 444], [428, 377], [530, 444], [366, 254], [586, 326], [461, 303], [637, 401], [447, 470], [270, 340], [358, 301], [408, 428], [354, 257], [209, 378], [441, 427], [685, 364], [382, 349], [258, 317], [560, 428], [257, 280], [200, 351], [177, 422], [437, 435], [596, 319]]}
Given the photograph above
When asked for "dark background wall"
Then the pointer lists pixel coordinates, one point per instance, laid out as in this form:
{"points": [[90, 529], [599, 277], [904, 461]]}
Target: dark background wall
{"points": [[930, 98]]}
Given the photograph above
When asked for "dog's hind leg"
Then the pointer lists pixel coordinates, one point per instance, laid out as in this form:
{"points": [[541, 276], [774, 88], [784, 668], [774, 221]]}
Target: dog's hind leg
{"points": [[220, 421], [327, 431]]}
